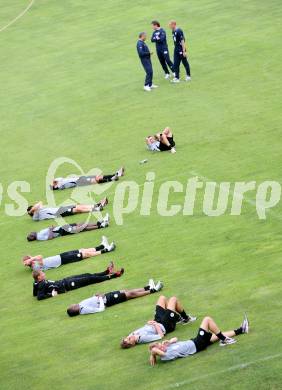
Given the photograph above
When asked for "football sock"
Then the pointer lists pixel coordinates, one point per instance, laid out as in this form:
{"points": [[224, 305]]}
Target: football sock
{"points": [[106, 178], [147, 288], [101, 248], [221, 336], [238, 331], [184, 315], [99, 224]]}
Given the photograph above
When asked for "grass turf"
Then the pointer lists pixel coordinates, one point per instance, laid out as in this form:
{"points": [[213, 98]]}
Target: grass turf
{"points": [[71, 85]]}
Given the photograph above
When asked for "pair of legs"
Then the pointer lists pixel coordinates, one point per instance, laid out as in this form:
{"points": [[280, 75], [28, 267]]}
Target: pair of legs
{"points": [[165, 61], [172, 304], [178, 58], [209, 325], [83, 280], [83, 208], [147, 65]]}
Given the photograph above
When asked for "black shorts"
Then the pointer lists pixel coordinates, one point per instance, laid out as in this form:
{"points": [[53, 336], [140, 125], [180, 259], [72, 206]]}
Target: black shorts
{"points": [[115, 297], [66, 229], [167, 318], [65, 211], [164, 147], [203, 340], [70, 257]]}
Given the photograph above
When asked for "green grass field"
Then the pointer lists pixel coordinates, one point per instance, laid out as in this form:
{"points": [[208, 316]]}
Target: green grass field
{"points": [[71, 85]]}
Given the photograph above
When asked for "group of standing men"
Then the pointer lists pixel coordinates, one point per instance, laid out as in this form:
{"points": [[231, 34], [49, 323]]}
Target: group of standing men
{"points": [[159, 38]]}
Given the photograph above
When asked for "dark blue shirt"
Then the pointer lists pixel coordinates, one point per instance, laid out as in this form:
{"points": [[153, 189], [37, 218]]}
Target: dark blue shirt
{"points": [[178, 36], [159, 37], [143, 50]]}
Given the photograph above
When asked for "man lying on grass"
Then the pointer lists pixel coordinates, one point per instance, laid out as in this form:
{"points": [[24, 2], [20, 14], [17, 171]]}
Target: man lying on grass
{"points": [[61, 183], [44, 288], [73, 228], [208, 334], [168, 313], [39, 263], [161, 142], [38, 212], [100, 302]]}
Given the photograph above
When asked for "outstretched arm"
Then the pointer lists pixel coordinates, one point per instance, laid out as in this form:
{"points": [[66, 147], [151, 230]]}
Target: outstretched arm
{"points": [[153, 356], [36, 207]]}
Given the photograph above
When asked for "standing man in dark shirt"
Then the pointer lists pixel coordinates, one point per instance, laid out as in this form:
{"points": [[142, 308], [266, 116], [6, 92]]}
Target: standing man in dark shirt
{"points": [[145, 58], [180, 52], [159, 38]]}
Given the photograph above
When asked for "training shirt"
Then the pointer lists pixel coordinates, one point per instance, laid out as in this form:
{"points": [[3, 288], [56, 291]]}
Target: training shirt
{"points": [[92, 305], [178, 36], [143, 50], [48, 263], [43, 289], [45, 213], [154, 147], [63, 183], [44, 234], [148, 334], [159, 37], [180, 349]]}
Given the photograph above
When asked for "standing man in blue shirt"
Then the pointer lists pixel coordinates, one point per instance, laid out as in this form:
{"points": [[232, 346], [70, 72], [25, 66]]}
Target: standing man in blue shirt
{"points": [[180, 52], [159, 38], [145, 58]]}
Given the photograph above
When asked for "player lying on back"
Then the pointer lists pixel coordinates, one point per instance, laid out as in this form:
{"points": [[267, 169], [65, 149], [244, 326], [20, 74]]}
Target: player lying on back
{"points": [[73, 228], [100, 302], [161, 142], [208, 334], [44, 288], [168, 313], [40, 263], [38, 212], [62, 183]]}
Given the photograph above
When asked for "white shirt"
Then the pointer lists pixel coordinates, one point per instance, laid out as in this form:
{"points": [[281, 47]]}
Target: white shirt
{"points": [[92, 305]]}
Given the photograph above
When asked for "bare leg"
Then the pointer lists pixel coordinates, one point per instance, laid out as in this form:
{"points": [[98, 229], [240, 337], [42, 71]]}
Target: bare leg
{"points": [[162, 301], [82, 208], [167, 132], [89, 252], [175, 305], [135, 293], [89, 227], [164, 140], [209, 325]]}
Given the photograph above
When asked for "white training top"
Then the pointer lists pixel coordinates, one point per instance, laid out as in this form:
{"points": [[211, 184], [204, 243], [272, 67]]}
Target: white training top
{"points": [[92, 305]]}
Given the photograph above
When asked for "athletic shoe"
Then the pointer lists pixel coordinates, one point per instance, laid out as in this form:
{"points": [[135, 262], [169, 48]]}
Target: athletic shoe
{"points": [[187, 78], [111, 267], [154, 86], [105, 242], [115, 177], [175, 80], [105, 222], [111, 247], [97, 207], [159, 286], [151, 284], [147, 88], [120, 172], [172, 150], [167, 76], [185, 321], [245, 324], [227, 341]]}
